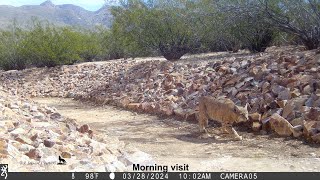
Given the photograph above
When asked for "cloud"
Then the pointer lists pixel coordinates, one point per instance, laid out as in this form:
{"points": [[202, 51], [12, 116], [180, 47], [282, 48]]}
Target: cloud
{"points": [[87, 4]]}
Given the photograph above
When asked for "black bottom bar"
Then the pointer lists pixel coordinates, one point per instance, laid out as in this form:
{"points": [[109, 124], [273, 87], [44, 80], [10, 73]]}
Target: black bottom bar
{"points": [[162, 175]]}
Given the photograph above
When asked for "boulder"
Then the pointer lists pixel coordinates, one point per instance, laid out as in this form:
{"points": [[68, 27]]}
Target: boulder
{"points": [[115, 166], [307, 90], [316, 138], [297, 121], [256, 117], [180, 113], [313, 114], [18, 131], [284, 94], [55, 116], [136, 157], [7, 150], [280, 125], [309, 129], [297, 131], [25, 147], [277, 89], [84, 128], [166, 111], [49, 143], [34, 154], [288, 109], [53, 160], [24, 139], [3, 148], [66, 155], [282, 103]]}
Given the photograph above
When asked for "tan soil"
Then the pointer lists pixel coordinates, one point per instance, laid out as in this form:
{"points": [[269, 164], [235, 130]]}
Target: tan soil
{"points": [[173, 142]]}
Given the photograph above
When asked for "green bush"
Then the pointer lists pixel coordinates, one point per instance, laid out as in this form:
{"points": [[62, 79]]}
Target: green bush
{"points": [[90, 47], [299, 18], [165, 27], [47, 45], [170, 28], [110, 45], [43, 44], [11, 48]]}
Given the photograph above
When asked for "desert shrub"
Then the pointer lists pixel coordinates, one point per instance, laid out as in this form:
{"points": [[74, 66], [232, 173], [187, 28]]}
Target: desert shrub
{"points": [[90, 47], [43, 44], [300, 18], [170, 28], [11, 47], [244, 25], [162, 26], [111, 47], [47, 45]]}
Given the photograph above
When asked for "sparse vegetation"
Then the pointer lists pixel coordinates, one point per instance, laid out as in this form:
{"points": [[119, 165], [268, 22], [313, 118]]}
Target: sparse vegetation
{"points": [[43, 44], [300, 18], [176, 27], [170, 28], [167, 28], [11, 48]]}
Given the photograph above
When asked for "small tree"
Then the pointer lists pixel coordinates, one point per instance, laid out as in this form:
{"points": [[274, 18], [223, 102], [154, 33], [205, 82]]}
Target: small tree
{"points": [[247, 24], [89, 44], [231, 25], [47, 45], [298, 17], [162, 26], [11, 47]]}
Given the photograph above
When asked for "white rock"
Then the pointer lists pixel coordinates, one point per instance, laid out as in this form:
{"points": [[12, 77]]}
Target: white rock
{"points": [[115, 166], [18, 131], [137, 157], [49, 160]]}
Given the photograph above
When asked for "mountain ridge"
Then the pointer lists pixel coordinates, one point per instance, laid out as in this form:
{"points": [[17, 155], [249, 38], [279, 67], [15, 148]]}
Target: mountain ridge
{"points": [[61, 15]]}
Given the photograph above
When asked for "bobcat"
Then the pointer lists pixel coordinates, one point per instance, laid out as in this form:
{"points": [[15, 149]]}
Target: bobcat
{"points": [[223, 110]]}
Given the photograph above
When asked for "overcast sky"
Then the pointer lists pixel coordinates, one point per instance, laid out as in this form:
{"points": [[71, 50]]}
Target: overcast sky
{"points": [[92, 5]]}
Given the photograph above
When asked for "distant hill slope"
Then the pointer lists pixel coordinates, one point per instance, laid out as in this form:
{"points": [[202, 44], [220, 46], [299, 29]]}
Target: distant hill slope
{"points": [[62, 15]]}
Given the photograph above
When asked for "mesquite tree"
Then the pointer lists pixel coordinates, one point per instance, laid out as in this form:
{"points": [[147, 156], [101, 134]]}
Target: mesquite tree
{"points": [[298, 17], [165, 26]]}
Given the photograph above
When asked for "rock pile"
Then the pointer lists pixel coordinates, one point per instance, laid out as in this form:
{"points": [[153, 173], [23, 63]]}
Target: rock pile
{"points": [[281, 86], [35, 134]]}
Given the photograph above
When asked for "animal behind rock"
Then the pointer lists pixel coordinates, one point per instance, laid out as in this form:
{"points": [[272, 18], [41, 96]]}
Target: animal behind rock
{"points": [[222, 110]]}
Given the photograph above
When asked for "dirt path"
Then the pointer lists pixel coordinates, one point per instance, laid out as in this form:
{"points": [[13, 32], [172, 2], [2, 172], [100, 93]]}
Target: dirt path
{"points": [[173, 142]]}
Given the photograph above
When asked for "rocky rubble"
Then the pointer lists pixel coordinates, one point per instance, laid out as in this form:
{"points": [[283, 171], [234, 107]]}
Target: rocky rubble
{"points": [[32, 136], [282, 86]]}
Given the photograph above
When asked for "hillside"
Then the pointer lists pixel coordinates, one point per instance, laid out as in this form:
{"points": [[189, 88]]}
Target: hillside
{"points": [[62, 15], [281, 87]]}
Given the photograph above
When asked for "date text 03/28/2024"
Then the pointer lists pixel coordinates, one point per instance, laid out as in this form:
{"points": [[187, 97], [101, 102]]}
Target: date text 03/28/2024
{"points": [[189, 175]]}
